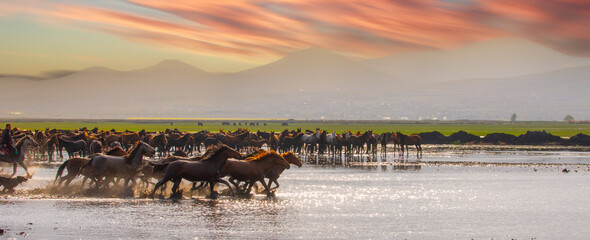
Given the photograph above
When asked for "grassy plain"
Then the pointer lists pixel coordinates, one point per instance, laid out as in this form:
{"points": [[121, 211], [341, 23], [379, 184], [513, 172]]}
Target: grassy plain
{"points": [[480, 128]]}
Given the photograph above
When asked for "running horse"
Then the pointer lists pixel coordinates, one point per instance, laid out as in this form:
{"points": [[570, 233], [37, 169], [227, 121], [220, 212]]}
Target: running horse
{"points": [[127, 167], [275, 172], [207, 169], [19, 158], [405, 140], [253, 169]]}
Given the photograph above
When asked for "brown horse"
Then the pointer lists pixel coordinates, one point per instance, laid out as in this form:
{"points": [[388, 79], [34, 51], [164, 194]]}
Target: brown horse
{"points": [[254, 169], [273, 141], [275, 172], [52, 145], [95, 147], [74, 167], [207, 169], [237, 141], [160, 142], [117, 151], [358, 141], [128, 139], [288, 143], [405, 140]]}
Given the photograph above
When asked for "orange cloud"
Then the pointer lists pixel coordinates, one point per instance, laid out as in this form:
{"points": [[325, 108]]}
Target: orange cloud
{"points": [[251, 29]]}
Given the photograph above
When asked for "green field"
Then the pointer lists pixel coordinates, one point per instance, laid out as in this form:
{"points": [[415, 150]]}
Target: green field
{"points": [[480, 128]]}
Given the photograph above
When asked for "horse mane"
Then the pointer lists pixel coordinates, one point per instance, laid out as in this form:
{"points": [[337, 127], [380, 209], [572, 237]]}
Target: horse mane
{"points": [[287, 153], [262, 156], [257, 153], [20, 142], [133, 151], [214, 151], [116, 149]]}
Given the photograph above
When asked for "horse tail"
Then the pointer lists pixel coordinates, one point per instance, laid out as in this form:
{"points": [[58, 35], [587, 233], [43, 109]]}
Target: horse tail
{"points": [[159, 167], [60, 170], [89, 162]]}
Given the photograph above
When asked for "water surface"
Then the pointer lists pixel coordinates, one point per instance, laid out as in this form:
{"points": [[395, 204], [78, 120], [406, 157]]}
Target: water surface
{"points": [[384, 198]]}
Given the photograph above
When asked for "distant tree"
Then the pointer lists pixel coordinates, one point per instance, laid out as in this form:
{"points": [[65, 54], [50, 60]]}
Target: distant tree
{"points": [[513, 118], [568, 118]]}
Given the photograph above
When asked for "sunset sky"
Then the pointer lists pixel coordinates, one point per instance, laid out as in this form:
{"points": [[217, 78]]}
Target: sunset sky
{"points": [[228, 36]]}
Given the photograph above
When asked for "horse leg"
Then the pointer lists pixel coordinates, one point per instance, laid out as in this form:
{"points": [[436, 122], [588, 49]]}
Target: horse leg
{"points": [[159, 184], [175, 192], [22, 164], [13, 169], [268, 192], [226, 183], [214, 194]]}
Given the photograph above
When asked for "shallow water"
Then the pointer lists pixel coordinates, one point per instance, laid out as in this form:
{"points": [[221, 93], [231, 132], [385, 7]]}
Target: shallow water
{"points": [[383, 198]]}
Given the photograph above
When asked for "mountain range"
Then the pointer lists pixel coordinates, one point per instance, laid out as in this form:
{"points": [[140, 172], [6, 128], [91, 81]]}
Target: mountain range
{"points": [[487, 80]]}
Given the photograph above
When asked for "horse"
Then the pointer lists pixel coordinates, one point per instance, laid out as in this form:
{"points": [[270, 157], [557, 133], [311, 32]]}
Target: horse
{"points": [[77, 146], [253, 169], [95, 147], [273, 141], [41, 138], [117, 151], [74, 167], [331, 142], [160, 142], [199, 138], [127, 139], [207, 169], [287, 143], [21, 149], [406, 140], [275, 172], [237, 141], [383, 139], [358, 142], [181, 143], [126, 167], [310, 141], [52, 144]]}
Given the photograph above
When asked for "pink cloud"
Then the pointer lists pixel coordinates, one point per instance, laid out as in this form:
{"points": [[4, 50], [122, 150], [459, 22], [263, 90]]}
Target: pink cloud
{"points": [[257, 30]]}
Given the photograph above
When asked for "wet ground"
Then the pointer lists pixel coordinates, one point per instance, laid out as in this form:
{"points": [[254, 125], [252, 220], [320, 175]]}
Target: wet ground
{"points": [[446, 194]]}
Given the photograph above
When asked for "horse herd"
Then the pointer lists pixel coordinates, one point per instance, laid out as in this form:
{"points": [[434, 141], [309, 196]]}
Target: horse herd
{"points": [[235, 159]]}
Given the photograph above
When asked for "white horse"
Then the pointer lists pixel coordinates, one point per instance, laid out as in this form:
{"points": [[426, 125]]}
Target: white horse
{"points": [[310, 141], [331, 141]]}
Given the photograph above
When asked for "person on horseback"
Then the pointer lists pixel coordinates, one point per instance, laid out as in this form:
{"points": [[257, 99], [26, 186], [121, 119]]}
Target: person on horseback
{"points": [[7, 140]]}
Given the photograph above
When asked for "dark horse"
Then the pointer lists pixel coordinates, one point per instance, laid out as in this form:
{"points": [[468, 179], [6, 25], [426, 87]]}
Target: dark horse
{"points": [[78, 146], [406, 140], [73, 165], [207, 169], [21, 147]]}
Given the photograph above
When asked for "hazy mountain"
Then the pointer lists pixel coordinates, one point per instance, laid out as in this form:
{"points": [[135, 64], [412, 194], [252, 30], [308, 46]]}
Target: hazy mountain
{"points": [[315, 83], [502, 57], [314, 70], [547, 96]]}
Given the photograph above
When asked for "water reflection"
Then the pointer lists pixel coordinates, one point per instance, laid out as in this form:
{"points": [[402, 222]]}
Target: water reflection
{"points": [[366, 162]]}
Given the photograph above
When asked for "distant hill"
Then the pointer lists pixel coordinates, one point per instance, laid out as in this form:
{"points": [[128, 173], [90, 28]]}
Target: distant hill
{"points": [[315, 83], [502, 57], [314, 70]]}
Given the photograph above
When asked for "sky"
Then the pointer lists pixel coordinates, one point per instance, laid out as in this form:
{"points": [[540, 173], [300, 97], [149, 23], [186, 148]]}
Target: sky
{"points": [[38, 37]]}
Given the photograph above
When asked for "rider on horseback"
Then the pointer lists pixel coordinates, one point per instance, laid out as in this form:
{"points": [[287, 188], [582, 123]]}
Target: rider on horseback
{"points": [[7, 141]]}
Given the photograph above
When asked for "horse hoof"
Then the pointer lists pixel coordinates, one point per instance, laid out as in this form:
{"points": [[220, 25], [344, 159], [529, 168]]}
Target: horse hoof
{"points": [[214, 195], [271, 194]]}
